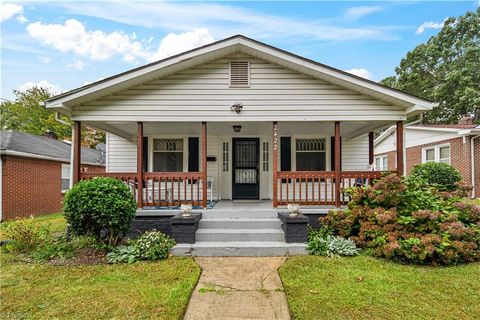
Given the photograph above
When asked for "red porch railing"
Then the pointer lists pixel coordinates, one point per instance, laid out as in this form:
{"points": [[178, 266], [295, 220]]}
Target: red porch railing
{"points": [[160, 188], [318, 187]]}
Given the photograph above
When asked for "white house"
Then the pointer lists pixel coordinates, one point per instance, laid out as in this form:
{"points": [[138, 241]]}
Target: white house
{"points": [[234, 120]]}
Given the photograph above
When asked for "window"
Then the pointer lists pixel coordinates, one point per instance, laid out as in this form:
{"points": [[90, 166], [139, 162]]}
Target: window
{"points": [[436, 154], [239, 73], [168, 155], [225, 156], [381, 163], [65, 177], [310, 154], [265, 157]]}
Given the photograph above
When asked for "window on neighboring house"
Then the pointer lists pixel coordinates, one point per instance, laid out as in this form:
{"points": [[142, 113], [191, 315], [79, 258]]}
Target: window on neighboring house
{"points": [[436, 154], [65, 177], [168, 155], [381, 163], [310, 154], [265, 156]]}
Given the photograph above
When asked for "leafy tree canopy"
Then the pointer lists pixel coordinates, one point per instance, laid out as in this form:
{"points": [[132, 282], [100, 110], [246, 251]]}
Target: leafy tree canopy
{"points": [[445, 70], [27, 114]]}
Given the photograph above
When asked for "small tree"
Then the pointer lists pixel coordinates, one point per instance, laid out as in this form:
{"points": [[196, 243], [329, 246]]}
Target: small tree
{"points": [[101, 207]]}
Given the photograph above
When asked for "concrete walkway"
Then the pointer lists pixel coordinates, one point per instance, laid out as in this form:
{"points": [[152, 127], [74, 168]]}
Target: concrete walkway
{"points": [[238, 288]]}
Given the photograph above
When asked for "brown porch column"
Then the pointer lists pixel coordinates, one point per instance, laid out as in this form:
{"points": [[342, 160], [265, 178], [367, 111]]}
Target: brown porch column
{"points": [[400, 148], [338, 153], [275, 162], [204, 165], [370, 147], [140, 165], [76, 145]]}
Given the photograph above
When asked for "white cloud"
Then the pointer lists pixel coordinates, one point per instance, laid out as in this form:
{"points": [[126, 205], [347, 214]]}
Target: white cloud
{"points": [[361, 72], [223, 20], [359, 12], [40, 84], [8, 10], [22, 19], [72, 36], [77, 64], [429, 25]]}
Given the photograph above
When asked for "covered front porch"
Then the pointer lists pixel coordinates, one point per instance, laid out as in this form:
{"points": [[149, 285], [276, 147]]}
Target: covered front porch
{"points": [[167, 164]]}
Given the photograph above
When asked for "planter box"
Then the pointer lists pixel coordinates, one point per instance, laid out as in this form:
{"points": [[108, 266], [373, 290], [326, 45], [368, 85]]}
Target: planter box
{"points": [[183, 228], [294, 227]]}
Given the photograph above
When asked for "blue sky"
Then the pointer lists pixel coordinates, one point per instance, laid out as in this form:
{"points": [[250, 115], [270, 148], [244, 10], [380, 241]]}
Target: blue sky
{"points": [[67, 44]]}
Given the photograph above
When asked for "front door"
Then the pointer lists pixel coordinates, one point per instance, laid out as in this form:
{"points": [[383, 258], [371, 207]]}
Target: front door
{"points": [[246, 168]]}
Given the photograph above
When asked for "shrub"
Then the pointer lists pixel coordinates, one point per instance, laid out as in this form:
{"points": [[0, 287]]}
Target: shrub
{"points": [[25, 235], [152, 245], [322, 243], [102, 208], [442, 175], [407, 219]]}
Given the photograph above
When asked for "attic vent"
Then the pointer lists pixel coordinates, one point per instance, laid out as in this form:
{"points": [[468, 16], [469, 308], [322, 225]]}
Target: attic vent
{"points": [[239, 74]]}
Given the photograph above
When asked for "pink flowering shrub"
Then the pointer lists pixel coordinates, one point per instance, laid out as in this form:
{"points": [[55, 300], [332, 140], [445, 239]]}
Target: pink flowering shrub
{"points": [[407, 219]]}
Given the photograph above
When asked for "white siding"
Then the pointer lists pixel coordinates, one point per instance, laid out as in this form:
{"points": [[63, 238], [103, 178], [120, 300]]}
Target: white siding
{"points": [[355, 154], [203, 93], [121, 154]]}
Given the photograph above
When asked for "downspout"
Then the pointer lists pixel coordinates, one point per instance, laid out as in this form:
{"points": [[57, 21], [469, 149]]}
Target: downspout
{"points": [[57, 118], [472, 155]]}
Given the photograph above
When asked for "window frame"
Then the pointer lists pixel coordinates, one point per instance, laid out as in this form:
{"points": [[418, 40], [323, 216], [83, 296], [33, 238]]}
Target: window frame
{"points": [[67, 166], [436, 157], [185, 149], [294, 151], [382, 163]]}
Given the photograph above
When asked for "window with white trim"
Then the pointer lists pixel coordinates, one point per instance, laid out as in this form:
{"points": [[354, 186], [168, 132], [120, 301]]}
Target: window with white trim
{"points": [[381, 163], [265, 157], [167, 155], [439, 153], [310, 154], [65, 177], [225, 156]]}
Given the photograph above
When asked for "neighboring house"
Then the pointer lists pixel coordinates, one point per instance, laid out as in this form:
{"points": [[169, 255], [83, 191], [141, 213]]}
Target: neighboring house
{"points": [[455, 144], [237, 119], [35, 172]]}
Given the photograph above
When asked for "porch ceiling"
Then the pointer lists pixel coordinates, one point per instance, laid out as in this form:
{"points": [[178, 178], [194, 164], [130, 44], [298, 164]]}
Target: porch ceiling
{"points": [[348, 130]]}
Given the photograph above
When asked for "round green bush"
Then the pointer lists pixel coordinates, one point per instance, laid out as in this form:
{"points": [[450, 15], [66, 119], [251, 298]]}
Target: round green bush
{"points": [[442, 175], [101, 207]]}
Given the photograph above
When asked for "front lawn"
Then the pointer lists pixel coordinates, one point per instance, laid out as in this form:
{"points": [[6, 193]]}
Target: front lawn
{"points": [[55, 221], [143, 290], [368, 288]]}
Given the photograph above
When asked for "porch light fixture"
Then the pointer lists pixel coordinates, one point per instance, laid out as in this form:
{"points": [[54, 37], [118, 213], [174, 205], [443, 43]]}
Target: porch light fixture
{"points": [[237, 107], [237, 128]]}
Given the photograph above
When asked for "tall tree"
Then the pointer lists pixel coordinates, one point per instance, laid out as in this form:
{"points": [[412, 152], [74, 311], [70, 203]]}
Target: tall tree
{"points": [[445, 70], [27, 114]]}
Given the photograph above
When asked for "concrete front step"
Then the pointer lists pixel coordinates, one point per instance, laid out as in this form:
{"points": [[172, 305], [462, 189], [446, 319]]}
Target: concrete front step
{"points": [[239, 214], [228, 223], [226, 235], [240, 249]]}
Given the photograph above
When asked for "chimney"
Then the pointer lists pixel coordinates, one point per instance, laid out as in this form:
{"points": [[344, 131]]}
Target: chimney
{"points": [[465, 120], [50, 134]]}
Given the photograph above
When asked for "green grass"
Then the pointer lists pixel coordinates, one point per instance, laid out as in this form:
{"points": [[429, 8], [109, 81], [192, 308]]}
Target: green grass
{"points": [[143, 290], [473, 201], [368, 288], [56, 222], [146, 290]]}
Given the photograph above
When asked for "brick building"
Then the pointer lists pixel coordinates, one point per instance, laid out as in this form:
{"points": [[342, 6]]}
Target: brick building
{"points": [[457, 144], [35, 173]]}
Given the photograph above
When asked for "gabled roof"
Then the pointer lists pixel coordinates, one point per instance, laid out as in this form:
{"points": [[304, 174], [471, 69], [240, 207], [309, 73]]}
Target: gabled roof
{"points": [[28, 145], [239, 43], [460, 129]]}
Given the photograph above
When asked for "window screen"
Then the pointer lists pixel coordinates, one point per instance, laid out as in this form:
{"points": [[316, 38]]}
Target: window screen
{"points": [[310, 154], [168, 155]]}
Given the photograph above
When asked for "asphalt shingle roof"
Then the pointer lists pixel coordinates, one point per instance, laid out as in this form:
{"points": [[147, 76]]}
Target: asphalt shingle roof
{"points": [[45, 146]]}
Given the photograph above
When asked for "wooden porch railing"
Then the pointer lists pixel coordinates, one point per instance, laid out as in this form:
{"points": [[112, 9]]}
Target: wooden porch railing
{"points": [[318, 187], [160, 188]]}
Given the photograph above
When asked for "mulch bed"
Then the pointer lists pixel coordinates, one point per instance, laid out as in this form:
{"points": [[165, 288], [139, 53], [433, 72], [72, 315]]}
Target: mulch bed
{"points": [[85, 256]]}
